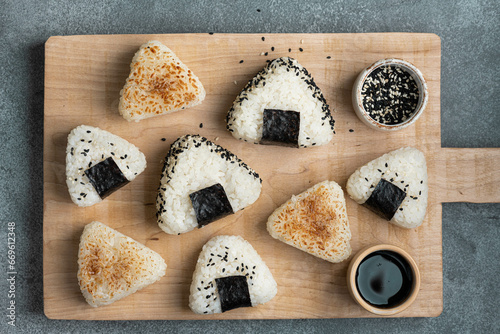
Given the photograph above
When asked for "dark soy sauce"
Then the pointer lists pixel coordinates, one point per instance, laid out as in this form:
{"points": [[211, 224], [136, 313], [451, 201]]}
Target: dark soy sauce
{"points": [[384, 279]]}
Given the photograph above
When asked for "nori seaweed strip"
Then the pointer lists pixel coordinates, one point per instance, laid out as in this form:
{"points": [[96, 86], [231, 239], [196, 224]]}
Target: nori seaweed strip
{"points": [[385, 199], [106, 177], [210, 204], [280, 127], [233, 292]]}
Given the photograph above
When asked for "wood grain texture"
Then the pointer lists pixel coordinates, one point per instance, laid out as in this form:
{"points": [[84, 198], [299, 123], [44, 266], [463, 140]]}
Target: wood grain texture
{"points": [[471, 175], [83, 78]]}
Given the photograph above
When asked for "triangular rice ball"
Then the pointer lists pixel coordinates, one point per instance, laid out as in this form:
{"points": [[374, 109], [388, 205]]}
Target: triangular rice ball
{"points": [[159, 83], [99, 163], [394, 186], [112, 266], [281, 105], [200, 183], [230, 274], [314, 221]]}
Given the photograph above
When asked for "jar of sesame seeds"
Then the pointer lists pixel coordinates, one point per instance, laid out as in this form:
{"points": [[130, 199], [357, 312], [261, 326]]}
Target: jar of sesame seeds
{"points": [[389, 95]]}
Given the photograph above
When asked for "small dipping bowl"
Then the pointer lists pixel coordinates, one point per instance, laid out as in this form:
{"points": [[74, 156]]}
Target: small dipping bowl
{"points": [[371, 271], [357, 95]]}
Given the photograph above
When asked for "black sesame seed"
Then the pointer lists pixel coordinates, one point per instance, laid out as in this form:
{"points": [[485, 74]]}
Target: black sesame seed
{"points": [[241, 61], [351, 130], [263, 39], [289, 50], [300, 49], [272, 48], [329, 57], [163, 139], [201, 125], [390, 95]]}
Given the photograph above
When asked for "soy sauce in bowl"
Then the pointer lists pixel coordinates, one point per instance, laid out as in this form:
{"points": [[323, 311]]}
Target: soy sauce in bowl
{"points": [[384, 279]]}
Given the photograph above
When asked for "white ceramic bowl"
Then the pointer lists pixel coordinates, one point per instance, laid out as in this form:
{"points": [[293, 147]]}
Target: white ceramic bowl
{"points": [[357, 101]]}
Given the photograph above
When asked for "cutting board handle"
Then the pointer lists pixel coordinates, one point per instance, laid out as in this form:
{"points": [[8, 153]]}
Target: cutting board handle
{"points": [[471, 174]]}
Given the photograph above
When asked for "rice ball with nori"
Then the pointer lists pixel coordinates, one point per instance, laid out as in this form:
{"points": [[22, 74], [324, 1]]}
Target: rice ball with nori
{"points": [[315, 222], [394, 186], [112, 266], [99, 163], [202, 182], [230, 274], [281, 105]]}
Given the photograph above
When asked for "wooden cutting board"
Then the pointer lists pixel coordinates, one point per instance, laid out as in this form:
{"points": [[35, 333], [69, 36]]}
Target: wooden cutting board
{"points": [[83, 78]]}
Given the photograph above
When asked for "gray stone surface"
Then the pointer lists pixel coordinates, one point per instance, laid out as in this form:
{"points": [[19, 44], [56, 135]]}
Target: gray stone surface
{"points": [[470, 118]]}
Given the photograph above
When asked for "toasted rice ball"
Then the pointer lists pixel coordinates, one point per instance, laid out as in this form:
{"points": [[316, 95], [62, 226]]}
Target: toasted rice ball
{"points": [[315, 222], [112, 266], [159, 83]]}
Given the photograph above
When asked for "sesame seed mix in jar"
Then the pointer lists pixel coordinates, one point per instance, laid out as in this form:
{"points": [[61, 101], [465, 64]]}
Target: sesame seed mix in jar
{"points": [[390, 95]]}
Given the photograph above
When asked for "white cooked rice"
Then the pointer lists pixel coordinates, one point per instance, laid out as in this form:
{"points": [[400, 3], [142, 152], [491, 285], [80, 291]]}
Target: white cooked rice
{"points": [[224, 256], [88, 146], [194, 163], [283, 84], [406, 168]]}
